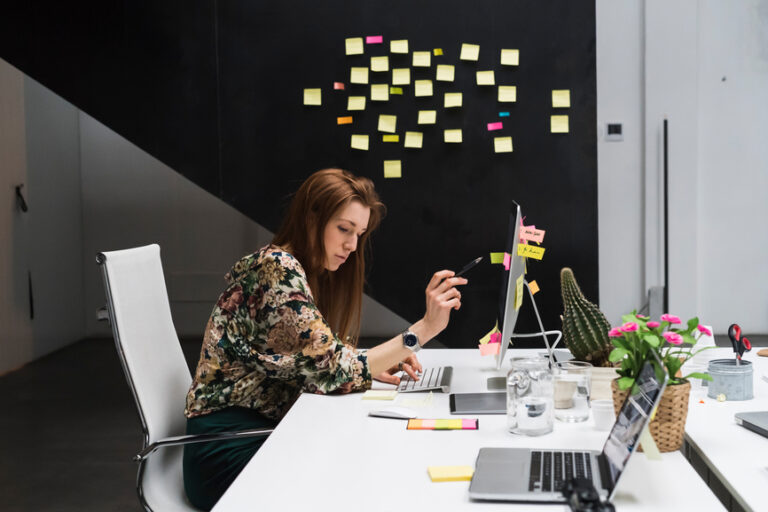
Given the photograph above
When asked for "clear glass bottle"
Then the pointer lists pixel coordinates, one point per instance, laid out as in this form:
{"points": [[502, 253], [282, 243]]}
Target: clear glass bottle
{"points": [[530, 392]]}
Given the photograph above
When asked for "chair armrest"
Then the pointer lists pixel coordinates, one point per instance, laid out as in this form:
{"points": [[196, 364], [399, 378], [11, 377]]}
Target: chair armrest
{"points": [[200, 438]]}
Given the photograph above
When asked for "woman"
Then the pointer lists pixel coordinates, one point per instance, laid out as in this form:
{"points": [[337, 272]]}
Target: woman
{"points": [[271, 334]]}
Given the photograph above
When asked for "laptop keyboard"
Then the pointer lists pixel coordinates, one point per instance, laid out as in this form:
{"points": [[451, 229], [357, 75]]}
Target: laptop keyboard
{"points": [[550, 470]]}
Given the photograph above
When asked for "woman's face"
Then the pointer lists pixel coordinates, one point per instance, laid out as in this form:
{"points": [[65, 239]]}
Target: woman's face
{"points": [[342, 232]]}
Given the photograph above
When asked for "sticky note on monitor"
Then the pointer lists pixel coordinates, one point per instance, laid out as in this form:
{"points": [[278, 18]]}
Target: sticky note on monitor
{"points": [[358, 75], [380, 64], [510, 57], [427, 117], [359, 142], [530, 251], [489, 349], [380, 394], [422, 59], [507, 93], [532, 234], [356, 103], [387, 123], [453, 99], [379, 92], [507, 260], [413, 139], [559, 124], [445, 73], [519, 292], [561, 98], [485, 78], [392, 169], [313, 97], [401, 76], [422, 88], [398, 46], [354, 45], [452, 136], [502, 144], [469, 51]]}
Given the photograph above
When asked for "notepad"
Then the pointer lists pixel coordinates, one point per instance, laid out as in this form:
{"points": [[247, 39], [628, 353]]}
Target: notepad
{"points": [[380, 394], [450, 473], [443, 424]]}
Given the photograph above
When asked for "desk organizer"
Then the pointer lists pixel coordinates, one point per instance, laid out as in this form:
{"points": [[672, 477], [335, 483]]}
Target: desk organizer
{"points": [[732, 380]]}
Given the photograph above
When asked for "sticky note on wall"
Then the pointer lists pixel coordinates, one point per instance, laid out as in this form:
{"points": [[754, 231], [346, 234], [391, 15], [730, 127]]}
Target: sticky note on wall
{"points": [[423, 88], [502, 144], [445, 73], [469, 51], [374, 39], [354, 45], [379, 92], [485, 78], [379, 64], [313, 96], [497, 257], [398, 46], [510, 57], [387, 123], [561, 98], [413, 139], [427, 117], [452, 136], [559, 124], [390, 138], [401, 76], [422, 59], [392, 169], [507, 93], [356, 103], [359, 142], [358, 75], [453, 99]]}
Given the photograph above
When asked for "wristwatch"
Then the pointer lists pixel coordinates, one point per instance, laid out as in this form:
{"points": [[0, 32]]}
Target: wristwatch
{"points": [[411, 341]]}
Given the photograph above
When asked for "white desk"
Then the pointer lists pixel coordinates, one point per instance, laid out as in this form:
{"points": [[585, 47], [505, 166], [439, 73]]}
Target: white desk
{"points": [[739, 457], [327, 454]]}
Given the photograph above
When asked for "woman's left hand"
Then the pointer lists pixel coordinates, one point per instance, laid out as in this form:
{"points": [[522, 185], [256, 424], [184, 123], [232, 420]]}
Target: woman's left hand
{"points": [[409, 365]]}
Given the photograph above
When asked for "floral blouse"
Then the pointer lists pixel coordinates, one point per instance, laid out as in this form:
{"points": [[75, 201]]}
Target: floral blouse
{"points": [[266, 342]]}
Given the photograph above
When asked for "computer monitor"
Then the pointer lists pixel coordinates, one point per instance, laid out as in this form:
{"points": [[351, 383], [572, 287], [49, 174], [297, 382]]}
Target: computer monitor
{"points": [[507, 310]]}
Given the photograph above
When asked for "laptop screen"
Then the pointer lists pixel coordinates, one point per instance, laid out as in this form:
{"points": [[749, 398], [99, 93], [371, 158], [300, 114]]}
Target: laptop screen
{"points": [[633, 416]]}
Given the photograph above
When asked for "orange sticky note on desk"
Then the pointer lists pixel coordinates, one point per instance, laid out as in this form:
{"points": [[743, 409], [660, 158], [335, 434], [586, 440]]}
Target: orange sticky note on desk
{"points": [[450, 473], [530, 251]]}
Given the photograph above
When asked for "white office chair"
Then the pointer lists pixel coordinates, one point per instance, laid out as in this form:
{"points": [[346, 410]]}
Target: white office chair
{"points": [[156, 371]]}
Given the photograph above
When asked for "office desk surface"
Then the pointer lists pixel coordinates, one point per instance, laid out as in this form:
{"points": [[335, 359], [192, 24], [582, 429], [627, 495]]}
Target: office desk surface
{"points": [[738, 456], [328, 454]]}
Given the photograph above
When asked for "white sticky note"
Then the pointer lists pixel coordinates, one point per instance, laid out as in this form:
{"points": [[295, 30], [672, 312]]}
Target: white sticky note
{"points": [[401, 76], [423, 87], [507, 93], [356, 103], [413, 139], [360, 142], [502, 144], [358, 75], [427, 117], [398, 46], [422, 59], [379, 64], [486, 78], [393, 169], [452, 136], [561, 98], [510, 57], [379, 92], [354, 45], [453, 99], [313, 97], [469, 51], [387, 123], [445, 73]]}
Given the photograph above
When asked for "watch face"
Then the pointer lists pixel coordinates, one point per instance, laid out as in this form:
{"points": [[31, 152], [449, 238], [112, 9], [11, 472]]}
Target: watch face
{"points": [[410, 339]]}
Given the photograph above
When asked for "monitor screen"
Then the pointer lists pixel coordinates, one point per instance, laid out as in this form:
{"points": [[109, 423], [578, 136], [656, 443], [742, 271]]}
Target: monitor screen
{"points": [[507, 310]]}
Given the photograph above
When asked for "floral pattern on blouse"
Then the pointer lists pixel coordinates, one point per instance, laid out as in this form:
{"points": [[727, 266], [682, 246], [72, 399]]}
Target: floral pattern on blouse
{"points": [[266, 342]]}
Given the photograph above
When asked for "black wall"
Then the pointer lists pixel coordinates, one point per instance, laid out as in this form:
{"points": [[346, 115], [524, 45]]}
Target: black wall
{"points": [[214, 89]]}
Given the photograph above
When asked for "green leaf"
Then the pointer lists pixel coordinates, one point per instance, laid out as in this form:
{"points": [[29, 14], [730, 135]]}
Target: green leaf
{"points": [[625, 383], [617, 354], [620, 343], [628, 318], [687, 338], [693, 323], [651, 339], [698, 375]]}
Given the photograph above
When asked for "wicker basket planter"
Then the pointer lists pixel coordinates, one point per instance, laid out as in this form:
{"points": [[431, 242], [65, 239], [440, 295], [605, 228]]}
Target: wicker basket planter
{"points": [[668, 426]]}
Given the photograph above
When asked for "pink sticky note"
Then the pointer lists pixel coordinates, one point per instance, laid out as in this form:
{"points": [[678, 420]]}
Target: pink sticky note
{"points": [[495, 338], [339, 86], [468, 424], [507, 260], [489, 349], [374, 39], [532, 234], [495, 126], [427, 424]]}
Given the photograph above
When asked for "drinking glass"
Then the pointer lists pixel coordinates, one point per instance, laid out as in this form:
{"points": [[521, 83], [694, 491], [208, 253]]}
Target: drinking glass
{"points": [[529, 396], [572, 380]]}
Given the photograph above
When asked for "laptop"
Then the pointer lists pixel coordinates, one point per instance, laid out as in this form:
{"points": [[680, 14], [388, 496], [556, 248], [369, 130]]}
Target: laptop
{"points": [[755, 421], [532, 475]]}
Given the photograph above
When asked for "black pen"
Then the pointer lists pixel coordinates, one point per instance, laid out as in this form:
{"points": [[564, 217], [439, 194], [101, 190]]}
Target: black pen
{"points": [[468, 266]]}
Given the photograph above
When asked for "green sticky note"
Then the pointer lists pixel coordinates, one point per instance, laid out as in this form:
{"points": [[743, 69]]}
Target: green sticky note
{"points": [[396, 90], [390, 138], [497, 257]]}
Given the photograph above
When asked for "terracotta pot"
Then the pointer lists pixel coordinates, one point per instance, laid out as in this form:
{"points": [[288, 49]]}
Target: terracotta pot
{"points": [[668, 425]]}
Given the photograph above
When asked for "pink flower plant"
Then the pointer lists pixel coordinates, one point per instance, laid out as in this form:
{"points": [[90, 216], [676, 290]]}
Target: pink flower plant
{"points": [[673, 345]]}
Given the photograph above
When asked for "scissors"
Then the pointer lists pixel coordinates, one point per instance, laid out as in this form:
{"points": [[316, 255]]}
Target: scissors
{"points": [[740, 343]]}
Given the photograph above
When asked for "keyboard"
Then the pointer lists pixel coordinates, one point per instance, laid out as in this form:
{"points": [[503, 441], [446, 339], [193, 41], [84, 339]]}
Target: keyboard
{"points": [[550, 470], [431, 379]]}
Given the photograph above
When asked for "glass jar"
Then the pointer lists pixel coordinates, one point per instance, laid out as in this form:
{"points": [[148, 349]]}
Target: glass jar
{"points": [[530, 396]]}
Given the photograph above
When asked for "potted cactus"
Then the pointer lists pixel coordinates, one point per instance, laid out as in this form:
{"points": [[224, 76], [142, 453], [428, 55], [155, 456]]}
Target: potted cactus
{"points": [[585, 328]]}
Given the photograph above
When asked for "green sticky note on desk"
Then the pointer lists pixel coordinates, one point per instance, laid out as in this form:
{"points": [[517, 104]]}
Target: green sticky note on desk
{"points": [[450, 473]]}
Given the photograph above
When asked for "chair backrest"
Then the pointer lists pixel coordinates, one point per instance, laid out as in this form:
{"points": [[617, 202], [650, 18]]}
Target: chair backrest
{"points": [[146, 339]]}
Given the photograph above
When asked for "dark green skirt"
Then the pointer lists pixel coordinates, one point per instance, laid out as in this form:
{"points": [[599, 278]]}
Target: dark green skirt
{"points": [[209, 468]]}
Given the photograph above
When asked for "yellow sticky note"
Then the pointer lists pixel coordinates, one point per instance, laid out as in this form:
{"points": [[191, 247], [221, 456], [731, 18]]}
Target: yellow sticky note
{"points": [[380, 63], [390, 138], [422, 59], [453, 99], [533, 287], [561, 98], [427, 117], [392, 169], [650, 448], [497, 257], [452, 136], [445, 73], [398, 46], [485, 339], [485, 78], [413, 139], [401, 76], [358, 75], [380, 394], [469, 51], [559, 124], [502, 144], [519, 292], [354, 45], [507, 93], [379, 92], [312, 96], [360, 142], [423, 87], [530, 251], [510, 57], [450, 473], [387, 123], [395, 90], [437, 51], [356, 103], [448, 424]]}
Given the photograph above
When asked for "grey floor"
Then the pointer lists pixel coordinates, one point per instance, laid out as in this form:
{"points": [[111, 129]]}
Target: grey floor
{"points": [[68, 430]]}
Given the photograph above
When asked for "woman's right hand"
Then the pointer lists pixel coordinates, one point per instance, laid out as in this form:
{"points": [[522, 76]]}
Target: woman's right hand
{"points": [[442, 297]]}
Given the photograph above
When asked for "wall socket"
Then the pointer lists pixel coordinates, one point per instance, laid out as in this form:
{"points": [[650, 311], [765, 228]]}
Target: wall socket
{"points": [[614, 132]]}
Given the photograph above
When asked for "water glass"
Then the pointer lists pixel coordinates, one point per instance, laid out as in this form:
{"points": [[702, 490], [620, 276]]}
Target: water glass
{"points": [[572, 381], [529, 396]]}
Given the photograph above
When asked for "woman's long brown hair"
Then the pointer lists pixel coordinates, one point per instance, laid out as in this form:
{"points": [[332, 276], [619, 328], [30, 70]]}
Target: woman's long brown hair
{"points": [[339, 294]]}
